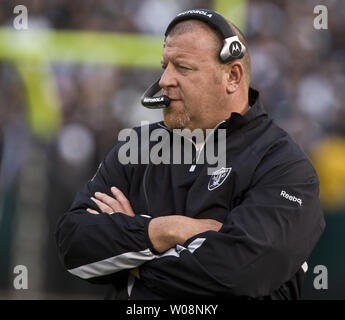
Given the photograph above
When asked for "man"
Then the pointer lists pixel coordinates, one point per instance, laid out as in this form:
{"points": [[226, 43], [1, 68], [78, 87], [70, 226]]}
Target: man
{"points": [[173, 231]]}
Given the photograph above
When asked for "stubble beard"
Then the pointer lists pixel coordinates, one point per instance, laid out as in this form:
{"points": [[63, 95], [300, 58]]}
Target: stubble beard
{"points": [[176, 119]]}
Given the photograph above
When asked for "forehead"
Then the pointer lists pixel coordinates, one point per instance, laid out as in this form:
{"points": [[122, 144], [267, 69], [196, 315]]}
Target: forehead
{"points": [[198, 42]]}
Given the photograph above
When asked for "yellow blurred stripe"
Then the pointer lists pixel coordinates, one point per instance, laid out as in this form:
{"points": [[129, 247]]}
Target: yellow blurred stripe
{"points": [[121, 49], [44, 113]]}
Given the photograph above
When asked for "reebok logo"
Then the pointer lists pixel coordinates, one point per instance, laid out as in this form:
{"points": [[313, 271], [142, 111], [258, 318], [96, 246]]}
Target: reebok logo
{"points": [[284, 194]]}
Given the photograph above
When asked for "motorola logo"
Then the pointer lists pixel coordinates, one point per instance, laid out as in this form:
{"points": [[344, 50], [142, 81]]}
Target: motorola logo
{"points": [[235, 49], [201, 12]]}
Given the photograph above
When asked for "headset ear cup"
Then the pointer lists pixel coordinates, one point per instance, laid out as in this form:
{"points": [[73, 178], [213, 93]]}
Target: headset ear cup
{"points": [[232, 49], [236, 49]]}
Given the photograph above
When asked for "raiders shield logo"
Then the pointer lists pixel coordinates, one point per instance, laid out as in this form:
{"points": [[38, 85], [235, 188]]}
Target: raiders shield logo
{"points": [[218, 177]]}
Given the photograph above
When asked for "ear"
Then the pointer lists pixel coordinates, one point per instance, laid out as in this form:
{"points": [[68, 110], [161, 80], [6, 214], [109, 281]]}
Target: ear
{"points": [[235, 74]]}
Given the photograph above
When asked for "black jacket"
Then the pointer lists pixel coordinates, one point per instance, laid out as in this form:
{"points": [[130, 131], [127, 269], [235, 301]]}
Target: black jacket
{"points": [[266, 198]]}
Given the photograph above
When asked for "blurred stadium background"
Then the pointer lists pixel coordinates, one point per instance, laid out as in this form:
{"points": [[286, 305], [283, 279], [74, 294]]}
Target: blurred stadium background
{"points": [[71, 81]]}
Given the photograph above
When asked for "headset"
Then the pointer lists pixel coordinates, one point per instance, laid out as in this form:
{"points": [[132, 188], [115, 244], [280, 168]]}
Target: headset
{"points": [[232, 49]]}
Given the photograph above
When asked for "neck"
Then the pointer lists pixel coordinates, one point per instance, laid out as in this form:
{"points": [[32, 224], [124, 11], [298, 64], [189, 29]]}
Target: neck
{"points": [[240, 101]]}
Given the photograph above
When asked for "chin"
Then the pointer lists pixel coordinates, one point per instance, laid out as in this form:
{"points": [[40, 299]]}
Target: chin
{"points": [[175, 121], [173, 124]]}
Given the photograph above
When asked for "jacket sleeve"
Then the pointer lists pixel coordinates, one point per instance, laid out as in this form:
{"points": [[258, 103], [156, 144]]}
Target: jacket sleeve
{"points": [[99, 247], [262, 244]]}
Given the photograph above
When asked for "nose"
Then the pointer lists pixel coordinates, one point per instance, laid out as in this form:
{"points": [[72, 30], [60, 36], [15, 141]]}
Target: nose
{"points": [[168, 78]]}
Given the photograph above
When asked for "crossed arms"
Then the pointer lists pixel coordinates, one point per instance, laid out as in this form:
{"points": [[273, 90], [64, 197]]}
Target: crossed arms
{"points": [[164, 232], [261, 244]]}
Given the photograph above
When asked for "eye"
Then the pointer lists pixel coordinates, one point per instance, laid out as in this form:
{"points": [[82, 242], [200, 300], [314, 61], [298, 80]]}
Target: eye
{"points": [[182, 67]]}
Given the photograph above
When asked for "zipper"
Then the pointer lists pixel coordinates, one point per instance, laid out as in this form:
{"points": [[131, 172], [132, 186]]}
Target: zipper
{"points": [[145, 189], [146, 174], [193, 166], [212, 133]]}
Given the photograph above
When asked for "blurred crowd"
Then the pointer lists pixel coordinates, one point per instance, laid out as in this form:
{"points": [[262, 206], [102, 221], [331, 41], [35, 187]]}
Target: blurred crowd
{"points": [[298, 69]]}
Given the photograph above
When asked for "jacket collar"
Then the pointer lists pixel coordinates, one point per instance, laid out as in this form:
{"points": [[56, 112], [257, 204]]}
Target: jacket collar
{"points": [[236, 120]]}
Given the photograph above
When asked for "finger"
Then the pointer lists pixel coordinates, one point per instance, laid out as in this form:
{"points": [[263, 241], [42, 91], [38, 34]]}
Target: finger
{"points": [[92, 211], [108, 200], [121, 198], [135, 272], [104, 207]]}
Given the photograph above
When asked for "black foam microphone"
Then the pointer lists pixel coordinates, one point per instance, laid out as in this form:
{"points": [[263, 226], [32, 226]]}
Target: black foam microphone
{"points": [[148, 99]]}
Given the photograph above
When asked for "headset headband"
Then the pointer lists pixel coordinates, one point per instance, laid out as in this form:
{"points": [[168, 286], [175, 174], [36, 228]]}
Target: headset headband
{"points": [[232, 46]]}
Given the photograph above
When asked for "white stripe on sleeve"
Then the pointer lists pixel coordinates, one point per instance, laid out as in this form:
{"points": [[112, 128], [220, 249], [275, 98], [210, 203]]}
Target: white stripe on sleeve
{"points": [[305, 267], [128, 260], [195, 244]]}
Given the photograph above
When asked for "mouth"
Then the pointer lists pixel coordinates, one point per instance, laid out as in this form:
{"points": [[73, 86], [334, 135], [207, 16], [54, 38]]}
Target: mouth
{"points": [[171, 98], [175, 102], [174, 99]]}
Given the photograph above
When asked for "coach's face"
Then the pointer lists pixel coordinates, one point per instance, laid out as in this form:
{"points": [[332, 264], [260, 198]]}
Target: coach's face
{"points": [[194, 80]]}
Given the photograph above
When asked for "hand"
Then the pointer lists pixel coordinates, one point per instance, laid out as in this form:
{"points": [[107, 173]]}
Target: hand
{"points": [[110, 205], [135, 272], [167, 231]]}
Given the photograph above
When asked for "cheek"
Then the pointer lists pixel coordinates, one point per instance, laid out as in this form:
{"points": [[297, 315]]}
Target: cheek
{"points": [[202, 91], [195, 91]]}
